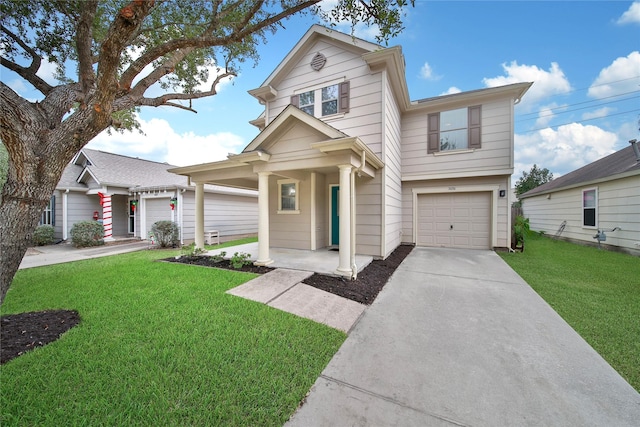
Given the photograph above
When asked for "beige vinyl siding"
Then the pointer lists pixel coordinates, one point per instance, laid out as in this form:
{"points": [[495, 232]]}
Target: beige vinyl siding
{"points": [[290, 230], [503, 233], [393, 185], [343, 63], [369, 215], [322, 212], [495, 154], [618, 206]]}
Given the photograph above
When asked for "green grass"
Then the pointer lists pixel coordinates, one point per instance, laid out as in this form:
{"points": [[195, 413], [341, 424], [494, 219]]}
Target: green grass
{"points": [[158, 344], [596, 291]]}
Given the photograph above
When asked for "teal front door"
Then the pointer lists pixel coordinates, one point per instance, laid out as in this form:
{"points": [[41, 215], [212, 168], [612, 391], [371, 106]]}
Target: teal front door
{"points": [[335, 219]]}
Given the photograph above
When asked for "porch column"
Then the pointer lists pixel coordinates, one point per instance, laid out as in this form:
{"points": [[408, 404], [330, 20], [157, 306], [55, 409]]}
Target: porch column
{"points": [[344, 269], [199, 237], [107, 221], [263, 219]]}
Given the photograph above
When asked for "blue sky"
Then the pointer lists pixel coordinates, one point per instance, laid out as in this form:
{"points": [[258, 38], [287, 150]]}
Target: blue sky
{"points": [[583, 57]]}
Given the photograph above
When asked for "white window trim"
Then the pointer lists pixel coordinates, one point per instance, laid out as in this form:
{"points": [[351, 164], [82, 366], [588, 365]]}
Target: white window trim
{"points": [[590, 227], [317, 100], [297, 209]]}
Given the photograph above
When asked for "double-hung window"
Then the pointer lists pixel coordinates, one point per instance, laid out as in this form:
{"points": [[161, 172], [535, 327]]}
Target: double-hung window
{"points": [[324, 101], [48, 216], [454, 130], [288, 196], [590, 208]]}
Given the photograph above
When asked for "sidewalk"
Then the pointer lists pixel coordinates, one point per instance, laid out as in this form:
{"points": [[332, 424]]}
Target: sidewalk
{"points": [[66, 252]]}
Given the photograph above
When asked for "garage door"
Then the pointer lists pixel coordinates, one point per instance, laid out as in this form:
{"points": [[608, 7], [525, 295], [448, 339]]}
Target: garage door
{"points": [[156, 210], [460, 220]]}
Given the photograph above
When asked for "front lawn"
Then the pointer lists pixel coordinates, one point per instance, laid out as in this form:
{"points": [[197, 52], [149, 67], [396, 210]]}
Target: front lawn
{"points": [[596, 291], [158, 344]]}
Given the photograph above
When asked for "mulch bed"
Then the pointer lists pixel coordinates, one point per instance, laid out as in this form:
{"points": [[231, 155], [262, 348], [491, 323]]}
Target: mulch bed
{"points": [[369, 282], [26, 331]]}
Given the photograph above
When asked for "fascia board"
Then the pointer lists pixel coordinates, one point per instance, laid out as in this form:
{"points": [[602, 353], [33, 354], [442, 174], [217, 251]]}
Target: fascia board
{"points": [[514, 91]]}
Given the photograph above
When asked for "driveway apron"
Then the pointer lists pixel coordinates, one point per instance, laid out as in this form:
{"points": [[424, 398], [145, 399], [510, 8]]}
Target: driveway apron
{"points": [[458, 338]]}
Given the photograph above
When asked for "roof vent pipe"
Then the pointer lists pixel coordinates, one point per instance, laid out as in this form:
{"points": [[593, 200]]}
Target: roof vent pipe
{"points": [[636, 150]]}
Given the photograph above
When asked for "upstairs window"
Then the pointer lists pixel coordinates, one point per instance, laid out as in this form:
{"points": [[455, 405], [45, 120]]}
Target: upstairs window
{"points": [[590, 208], [307, 102], [324, 101], [454, 130]]}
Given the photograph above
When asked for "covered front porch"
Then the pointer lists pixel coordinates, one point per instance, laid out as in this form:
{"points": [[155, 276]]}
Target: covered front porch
{"points": [[322, 261], [307, 174]]}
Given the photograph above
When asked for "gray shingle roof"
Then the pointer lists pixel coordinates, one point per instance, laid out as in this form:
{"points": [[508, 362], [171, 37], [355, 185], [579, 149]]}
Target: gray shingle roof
{"points": [[620, 162], [116, 170]]}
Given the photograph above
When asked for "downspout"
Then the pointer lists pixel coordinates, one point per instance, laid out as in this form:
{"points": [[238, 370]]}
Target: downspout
{"points": [[354, 267], [65, 214]]}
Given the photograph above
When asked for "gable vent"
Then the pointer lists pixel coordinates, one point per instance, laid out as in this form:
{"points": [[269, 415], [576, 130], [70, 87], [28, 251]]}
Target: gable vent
{"points": [[318, 61]]}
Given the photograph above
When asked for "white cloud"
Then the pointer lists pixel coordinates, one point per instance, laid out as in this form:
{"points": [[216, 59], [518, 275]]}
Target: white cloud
{"points": [[545, 82], [563, 150], [547, 113], [600, 112], [161, 143], [451, 91], [619, 77], [632, 15], [47, 72], [426, 72]]}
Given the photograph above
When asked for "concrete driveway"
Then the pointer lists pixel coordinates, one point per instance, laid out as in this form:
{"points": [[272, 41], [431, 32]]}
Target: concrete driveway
{"points": [[458, 338]]}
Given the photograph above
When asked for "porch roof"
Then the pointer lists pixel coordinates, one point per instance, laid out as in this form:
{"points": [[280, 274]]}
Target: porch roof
{"points": [[323, 155]]}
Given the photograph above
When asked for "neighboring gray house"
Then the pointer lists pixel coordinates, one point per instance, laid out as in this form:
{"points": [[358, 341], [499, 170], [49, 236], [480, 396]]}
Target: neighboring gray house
{"points": [[600, 196], [345, 159], [132, 194]]}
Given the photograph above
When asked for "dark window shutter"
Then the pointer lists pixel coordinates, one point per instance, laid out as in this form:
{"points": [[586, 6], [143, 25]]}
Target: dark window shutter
{"points": [[433, 133], [475, 129], [53, 210], [344, 98], [295, 100]]}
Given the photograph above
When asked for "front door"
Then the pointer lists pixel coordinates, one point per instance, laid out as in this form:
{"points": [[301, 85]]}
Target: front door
{"points": [[335, 219]]}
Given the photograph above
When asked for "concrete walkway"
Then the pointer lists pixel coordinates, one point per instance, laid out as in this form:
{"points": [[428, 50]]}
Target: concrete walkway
{"points": [[458, 338], [282, 289], [66, 252]]}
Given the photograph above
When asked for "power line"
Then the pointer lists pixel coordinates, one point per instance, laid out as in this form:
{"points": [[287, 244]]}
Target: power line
{"points": [[582, 121], [586, 102], [553, 112]]}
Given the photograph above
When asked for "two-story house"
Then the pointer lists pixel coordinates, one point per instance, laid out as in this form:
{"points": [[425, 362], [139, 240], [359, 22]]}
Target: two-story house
{"points": [[345, 159]]}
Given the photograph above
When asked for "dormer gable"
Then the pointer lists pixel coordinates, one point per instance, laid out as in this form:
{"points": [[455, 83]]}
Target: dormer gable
{"points": [[267, 90]]}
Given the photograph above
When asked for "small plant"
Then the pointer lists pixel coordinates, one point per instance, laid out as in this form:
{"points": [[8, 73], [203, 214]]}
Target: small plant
{"points": [[239, 260], [219, 257], [520, 230], [43, 235], [166, 233], [87, 233], [191, 250]]}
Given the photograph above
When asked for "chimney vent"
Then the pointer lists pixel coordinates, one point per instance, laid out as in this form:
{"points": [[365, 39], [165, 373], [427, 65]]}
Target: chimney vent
{"points": [[636, 150]]}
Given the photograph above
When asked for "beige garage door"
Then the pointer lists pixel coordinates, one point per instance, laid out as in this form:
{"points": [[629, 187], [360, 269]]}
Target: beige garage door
{"points": [[460, 220]]}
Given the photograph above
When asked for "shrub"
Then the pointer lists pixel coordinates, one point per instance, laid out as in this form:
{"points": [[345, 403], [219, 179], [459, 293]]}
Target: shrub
{"points": [[167, 234], [87, 233], [43, 235], [520, 230], [239, 260]]}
